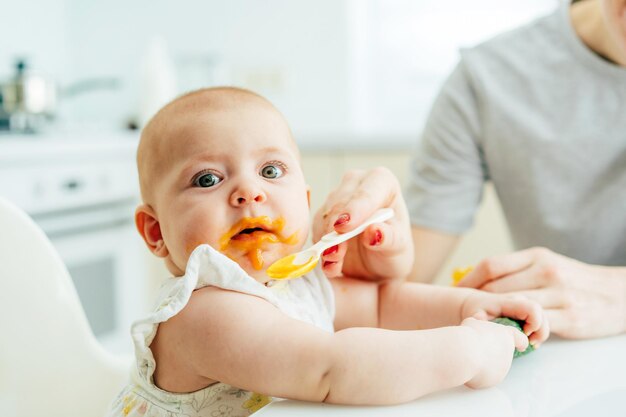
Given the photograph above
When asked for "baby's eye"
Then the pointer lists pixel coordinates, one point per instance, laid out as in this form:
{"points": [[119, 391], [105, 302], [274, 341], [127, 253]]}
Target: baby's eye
{"points": [[206, 180], [271, 171]]}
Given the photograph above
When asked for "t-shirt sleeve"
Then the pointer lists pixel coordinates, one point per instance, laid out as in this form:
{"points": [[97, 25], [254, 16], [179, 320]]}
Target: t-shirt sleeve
{"points": [[447, 171]]}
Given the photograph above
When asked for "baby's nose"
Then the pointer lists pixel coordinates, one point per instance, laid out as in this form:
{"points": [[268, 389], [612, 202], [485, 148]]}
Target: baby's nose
{"points": [[246, 195]]}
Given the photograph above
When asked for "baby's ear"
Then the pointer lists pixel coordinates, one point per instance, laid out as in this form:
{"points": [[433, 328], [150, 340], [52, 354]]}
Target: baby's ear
{"points": [[150, 230]]}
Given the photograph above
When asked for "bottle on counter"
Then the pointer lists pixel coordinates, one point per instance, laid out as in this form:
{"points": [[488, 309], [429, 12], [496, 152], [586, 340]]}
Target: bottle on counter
{"points": [[157, 80]]}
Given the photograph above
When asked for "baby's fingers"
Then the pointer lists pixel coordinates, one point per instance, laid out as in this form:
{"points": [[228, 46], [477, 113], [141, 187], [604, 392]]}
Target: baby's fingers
{"points": [[525, 310], [537, 337], [520, 339]]}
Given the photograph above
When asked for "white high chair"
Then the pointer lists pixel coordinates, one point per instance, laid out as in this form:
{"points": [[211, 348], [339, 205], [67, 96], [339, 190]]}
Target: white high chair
{"points": [[50, 362]]}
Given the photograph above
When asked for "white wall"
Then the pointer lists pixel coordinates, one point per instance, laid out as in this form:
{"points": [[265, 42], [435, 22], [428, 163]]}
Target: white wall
{"points": [[294, 52], [35, 30], [345, 71], [404, 49]]}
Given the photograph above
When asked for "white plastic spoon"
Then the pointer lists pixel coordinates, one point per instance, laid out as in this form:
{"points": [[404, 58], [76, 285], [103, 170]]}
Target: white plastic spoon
{"points": [[298, 264]]}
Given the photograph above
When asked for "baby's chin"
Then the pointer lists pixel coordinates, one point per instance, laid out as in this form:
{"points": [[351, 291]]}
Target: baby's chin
{"points": [[258, 274], [257, 268]]}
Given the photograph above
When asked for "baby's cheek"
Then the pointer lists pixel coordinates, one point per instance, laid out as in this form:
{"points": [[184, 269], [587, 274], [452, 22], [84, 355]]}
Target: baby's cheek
{"points": [[190, 246], [192, 239]]}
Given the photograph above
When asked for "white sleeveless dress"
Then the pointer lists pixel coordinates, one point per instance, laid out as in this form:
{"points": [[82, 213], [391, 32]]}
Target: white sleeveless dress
{"points": [[309, 299]]}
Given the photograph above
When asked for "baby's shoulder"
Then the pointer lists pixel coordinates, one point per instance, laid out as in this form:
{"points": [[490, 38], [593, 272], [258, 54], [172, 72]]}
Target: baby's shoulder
{"points": [[183, 342], [206, 307], [209, 311]]}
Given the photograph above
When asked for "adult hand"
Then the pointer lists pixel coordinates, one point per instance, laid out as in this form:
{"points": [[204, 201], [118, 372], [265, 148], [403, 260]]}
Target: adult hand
{"points": [[581, 300], [384, 250]]}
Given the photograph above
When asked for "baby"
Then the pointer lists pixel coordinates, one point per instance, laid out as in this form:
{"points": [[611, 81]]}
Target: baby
{"points": [[224, 197]]}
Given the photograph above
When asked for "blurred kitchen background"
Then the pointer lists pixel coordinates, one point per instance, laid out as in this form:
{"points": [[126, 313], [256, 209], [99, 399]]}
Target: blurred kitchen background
{"points": [[355, 79]]}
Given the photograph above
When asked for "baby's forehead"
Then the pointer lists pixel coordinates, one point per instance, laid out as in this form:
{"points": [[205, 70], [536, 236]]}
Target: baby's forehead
{"points": [[196, 113], [215, 100], [227, 116], [174, 129]]}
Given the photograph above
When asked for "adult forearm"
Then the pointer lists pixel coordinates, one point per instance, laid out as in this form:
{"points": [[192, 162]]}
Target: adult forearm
{"points": [[409, 306], [431, 248], [618, 275], [375, 366]]}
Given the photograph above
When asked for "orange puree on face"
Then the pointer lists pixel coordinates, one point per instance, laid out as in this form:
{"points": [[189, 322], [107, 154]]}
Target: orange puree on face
{"points": [[252, 243]]}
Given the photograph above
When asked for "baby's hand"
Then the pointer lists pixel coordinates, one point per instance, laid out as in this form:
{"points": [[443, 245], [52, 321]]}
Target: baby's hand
{"points": [[496, 346], [486, 306]]}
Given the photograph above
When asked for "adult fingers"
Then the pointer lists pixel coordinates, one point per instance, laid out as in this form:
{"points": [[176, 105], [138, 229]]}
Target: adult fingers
{"points": [[328, 214], [496, 267], [374, 189], [546, 297], [560, 324], [332, 260], [381, 237], [526, 279]]}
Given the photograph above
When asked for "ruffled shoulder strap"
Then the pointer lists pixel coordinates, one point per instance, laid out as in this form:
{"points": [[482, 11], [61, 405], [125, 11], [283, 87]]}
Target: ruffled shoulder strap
{"points": [[205, 267]]}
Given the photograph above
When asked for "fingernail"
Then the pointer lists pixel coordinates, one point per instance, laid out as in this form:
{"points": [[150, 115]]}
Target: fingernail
{"points": [[330, 250], [328, 263], [342, 219], [377, 238]]}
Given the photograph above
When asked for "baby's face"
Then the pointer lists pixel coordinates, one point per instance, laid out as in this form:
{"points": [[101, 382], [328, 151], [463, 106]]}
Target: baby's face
{"points": [[232, 178]]}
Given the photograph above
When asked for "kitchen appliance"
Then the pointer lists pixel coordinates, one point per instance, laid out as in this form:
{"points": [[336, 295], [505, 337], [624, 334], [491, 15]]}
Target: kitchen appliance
{"points": [[30, 100], [27, 100], [83, 195]]}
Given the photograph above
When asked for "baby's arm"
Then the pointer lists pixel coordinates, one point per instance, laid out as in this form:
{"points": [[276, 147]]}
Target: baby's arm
{"points": [[244, 341], [396, 305], [410, 306]]}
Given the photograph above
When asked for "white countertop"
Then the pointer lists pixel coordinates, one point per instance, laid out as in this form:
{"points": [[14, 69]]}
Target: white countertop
{"points": [[561, 379], [61, 147]]}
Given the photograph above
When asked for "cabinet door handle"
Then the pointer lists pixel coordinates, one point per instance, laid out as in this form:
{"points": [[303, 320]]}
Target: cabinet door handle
{"points": [[72, 185]]}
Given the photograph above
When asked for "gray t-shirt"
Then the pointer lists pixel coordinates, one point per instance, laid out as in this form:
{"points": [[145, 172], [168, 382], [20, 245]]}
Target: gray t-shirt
{"points": [[544, 118]]}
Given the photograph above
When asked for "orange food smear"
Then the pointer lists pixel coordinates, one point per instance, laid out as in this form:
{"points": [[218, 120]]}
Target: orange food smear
{"points": [[253, 244]]}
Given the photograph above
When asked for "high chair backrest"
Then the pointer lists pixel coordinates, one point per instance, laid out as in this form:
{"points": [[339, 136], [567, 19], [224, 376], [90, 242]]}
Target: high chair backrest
{"points": [[50, 362]]}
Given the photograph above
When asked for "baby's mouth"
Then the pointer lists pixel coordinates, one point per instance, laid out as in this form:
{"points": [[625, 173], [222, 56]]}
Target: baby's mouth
{"points": [[253, 228], [251, 235]]}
